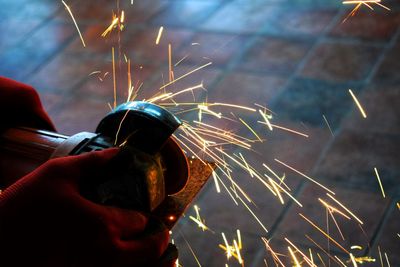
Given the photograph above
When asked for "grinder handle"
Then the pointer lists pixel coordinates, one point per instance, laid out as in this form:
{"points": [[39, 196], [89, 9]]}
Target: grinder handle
{"points": [[24, 149]]}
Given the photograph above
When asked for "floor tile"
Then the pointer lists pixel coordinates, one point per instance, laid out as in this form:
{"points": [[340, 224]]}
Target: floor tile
{"points": [[353, 156], [341, 62], [186, 13], [271, 54], [307, 101], [366, 25]]}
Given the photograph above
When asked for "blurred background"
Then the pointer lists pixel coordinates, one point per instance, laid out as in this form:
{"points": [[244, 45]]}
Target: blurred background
{"points": [[298, 58]]}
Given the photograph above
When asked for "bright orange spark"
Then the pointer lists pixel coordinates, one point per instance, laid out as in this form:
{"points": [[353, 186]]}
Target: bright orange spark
{"points": [[358, 104], [344, 207], [308, 177], [380, 182], [324, 233], [76, 25]]}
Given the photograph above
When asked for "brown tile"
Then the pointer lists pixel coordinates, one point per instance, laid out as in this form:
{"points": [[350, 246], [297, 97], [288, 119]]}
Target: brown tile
{"points": [[101, 86], [34, 51], [341, 62], [246, 89], [308, 101], [353, 156], [297, 151], [272, 54], [141, 46], [294, 227], [237, 17], [218, 48], [78, 115], [387, 71], [300, 21], [141, 11], [96, 45], [187, 13], [64, 73], [381, 103], [367, 25], [16, 31], [99, 11]]}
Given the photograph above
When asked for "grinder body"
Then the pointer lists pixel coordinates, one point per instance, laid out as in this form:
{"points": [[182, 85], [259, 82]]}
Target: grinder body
{"points": [[134, 179]]}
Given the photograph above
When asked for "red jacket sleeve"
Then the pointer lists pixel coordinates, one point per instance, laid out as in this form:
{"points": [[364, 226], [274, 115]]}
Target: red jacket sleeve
{"points": [[20, 106]]}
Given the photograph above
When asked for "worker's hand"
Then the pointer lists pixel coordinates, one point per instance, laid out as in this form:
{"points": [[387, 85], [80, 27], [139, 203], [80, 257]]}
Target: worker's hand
{"points": [[20, 106], [45, 221]]}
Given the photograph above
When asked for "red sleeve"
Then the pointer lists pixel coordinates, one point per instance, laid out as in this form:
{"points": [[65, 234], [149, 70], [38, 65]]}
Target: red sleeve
{"points": [[20, 106]]}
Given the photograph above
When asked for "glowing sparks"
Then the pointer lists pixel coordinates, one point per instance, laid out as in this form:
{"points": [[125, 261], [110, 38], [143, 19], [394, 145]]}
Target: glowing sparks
{"points": [[198, 220], [185, 75], [109, 29], [358, 104], [296, 262], [308, 260], [305, 176], [345, 208], [217, 187], [353, 260], [324, 233], [380, 182], [76, 25], [360, 3], [285, 129], [233, 250], [251, 129], [266, 118], [160, 31], [273, 253]]}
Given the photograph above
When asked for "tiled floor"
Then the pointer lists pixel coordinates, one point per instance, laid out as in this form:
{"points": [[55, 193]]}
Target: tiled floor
{"points": [[296, 57]]}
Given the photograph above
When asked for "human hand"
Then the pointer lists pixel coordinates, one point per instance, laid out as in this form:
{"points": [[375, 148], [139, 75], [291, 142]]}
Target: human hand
{"points": [[46, 222]]}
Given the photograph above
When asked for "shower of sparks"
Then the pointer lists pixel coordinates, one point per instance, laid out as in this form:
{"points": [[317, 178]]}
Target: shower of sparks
{"points": [[198, 220], [333, 209], [380, 182], [305, 258], [234, 249], [359, 3], [346, 209], [273, 253], [160, 31], [324, 233], [358, 104], [305, 176], [284, 129], [327, 124], [251, 129], [322, 249], [76, 24], [185, 75]]}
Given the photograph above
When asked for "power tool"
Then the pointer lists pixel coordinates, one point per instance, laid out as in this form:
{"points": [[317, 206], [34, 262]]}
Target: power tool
{"points": [[150, 173]]}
